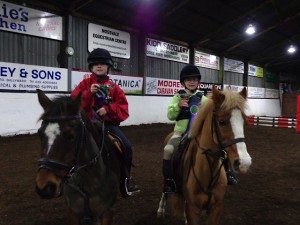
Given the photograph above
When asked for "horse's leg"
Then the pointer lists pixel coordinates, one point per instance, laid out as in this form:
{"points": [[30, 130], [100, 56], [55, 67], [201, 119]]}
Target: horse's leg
{"points": [[107, 218], [72, 218], [162, 205], [214, 214], [192, 214]]}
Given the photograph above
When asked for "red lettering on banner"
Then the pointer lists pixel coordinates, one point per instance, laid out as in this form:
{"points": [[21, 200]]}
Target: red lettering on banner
{"points": [[165, 91], [168, 83]]}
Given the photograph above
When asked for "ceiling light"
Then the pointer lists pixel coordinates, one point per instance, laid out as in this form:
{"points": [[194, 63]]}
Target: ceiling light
{"points": [[291, 49], [250, 29]]}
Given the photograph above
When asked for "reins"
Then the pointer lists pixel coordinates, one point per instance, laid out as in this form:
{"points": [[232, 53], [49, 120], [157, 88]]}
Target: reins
{"points": [[221, 155], [53, 165]]}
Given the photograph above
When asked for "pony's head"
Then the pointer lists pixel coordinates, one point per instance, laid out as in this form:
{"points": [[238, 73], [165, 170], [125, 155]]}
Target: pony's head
{"points": [[223, 118], [60, 142]]}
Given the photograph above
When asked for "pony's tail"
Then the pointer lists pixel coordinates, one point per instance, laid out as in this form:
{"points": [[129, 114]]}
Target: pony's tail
{"points": [[177, 206]]}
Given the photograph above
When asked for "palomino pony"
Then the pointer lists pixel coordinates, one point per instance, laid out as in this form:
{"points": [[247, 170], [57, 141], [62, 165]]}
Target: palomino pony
{"points": [[76, 161], [216, 134]]}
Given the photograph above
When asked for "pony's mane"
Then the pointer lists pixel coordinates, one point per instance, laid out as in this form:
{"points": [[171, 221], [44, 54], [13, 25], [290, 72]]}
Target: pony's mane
{"points": [[60, 104], [232, 100]]}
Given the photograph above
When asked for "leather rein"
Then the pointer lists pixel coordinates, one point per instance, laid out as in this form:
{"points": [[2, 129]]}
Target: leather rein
{"points": [[221, 154]]}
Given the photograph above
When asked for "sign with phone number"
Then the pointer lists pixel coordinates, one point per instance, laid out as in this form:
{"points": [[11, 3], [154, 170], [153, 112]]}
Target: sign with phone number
{"points": [[15, 76]]}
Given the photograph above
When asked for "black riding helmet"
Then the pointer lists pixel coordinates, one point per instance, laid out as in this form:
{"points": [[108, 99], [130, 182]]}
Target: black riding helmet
{"points": [[99, 55], [189, 71]]}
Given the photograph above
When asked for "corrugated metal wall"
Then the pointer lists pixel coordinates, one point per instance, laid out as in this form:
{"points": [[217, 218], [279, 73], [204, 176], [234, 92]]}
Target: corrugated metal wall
{"points": [[166, 69], [26, 49], [209, 75], [160, 68], [255, 81], [233, 78]]}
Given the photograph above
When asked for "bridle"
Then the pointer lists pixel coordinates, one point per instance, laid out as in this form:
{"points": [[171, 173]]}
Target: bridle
{"points": [[220, 154], [71, 170], [222, 146], [54, 165]]}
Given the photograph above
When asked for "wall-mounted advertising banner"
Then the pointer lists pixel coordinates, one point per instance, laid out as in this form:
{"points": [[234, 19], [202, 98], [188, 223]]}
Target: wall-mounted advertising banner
{"points": [[130, 85], [168, 51], [208, 86], [255, 71], [15, 76], [272, 93], [252, 92], [20, 19], [233, 65], [159, 86], [115, 41], [206, 60]]}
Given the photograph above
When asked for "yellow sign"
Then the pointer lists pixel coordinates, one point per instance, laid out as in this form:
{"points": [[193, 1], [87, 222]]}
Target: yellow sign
{"points": [[255, 71]]}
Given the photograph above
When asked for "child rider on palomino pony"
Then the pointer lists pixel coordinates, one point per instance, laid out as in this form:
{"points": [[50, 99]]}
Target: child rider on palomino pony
{"points": [[102, 97], [182, 108]]}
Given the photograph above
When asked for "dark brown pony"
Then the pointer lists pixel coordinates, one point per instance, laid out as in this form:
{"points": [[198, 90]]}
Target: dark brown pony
{"points": [[216, 134], [76, 161]]}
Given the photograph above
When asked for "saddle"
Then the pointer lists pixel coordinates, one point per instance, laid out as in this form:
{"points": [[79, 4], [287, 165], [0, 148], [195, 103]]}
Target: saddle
{"points": [[120, 152]]}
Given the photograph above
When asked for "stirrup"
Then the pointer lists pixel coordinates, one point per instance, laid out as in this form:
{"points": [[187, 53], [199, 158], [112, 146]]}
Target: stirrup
{"points": [[169, 186], [130, 186]]}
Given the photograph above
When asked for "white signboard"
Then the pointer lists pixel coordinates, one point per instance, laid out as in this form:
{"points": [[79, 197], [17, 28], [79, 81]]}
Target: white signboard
{"points": [[253, 92], [115, 41], [233, 65], [15, 76], [20, 19], [129, 84], [158, 86], [272, 93], [206, 60], [168, 51]]}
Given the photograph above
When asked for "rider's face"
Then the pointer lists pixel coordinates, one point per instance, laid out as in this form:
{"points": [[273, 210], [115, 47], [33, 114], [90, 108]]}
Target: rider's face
{"points": [[191, 83], [100, 69]]}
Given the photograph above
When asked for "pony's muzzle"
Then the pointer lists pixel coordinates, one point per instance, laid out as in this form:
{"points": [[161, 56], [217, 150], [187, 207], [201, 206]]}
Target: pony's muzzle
{"points": [[48, 192], [242, 165], [47, 185]]}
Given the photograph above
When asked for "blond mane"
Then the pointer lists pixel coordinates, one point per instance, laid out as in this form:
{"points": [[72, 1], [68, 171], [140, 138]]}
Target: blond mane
{"points": [[231, 101]]}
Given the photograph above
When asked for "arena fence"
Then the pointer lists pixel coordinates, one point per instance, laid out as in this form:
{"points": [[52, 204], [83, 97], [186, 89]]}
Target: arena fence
{"points": [[298, 114], [280, 122]]}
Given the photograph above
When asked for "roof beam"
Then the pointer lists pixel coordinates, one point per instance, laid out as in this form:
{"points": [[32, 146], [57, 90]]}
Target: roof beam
{"points": [[207, 37], [275, 45], [176, 8], [262, 32], [78, 4]]}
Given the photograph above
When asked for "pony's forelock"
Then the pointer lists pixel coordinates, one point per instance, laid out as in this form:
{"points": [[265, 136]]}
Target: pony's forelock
{"points": [[233, 100]]}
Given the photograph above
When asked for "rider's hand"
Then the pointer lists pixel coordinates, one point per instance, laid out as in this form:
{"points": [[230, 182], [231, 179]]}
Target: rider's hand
{"points": [[101, 111], [94, 88], [183, 103]]}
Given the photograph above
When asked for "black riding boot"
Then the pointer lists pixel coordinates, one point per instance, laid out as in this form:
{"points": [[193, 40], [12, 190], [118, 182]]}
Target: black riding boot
{"points": [[130, 186], [169, 185], [231, 179]]}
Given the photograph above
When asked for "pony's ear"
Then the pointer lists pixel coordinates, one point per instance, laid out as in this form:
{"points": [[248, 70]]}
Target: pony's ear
{"points": [[217, 96], [243, 93], [44, 101]]}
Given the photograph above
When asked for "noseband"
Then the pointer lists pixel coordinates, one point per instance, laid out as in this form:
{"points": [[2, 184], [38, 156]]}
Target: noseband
{"points": [[222, 146]]}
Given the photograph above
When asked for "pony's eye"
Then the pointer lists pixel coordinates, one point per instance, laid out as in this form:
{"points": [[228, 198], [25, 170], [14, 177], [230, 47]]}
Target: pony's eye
{"points": [[222, 122]]}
